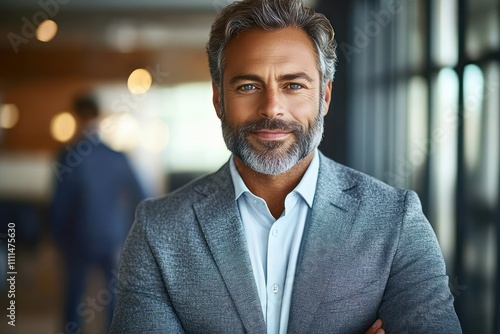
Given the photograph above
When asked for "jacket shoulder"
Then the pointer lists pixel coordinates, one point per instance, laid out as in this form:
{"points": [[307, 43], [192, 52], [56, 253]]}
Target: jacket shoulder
{"points": [[348, 175], [375, 195]]}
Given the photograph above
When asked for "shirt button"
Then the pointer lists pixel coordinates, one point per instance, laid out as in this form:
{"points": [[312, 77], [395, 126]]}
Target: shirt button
{"points": [[275, 232], [275, 289]]}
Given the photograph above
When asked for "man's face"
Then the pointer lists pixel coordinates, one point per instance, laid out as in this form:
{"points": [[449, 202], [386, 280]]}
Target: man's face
{"points": [[273, 103]]}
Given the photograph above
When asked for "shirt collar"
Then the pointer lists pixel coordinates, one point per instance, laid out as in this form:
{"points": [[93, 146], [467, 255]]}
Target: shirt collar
{"points": [[239, 186], [306, 187]]}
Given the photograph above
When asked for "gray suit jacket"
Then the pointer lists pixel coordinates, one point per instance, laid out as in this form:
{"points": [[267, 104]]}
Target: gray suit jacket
{"points": [[368, 252]]}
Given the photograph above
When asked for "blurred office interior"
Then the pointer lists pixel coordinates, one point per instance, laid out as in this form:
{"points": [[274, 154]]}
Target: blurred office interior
{"points": [[416, 103]]}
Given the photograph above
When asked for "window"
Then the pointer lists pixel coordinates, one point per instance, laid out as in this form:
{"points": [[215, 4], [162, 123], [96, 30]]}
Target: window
{"points": [[423, 112], [169, 130]]}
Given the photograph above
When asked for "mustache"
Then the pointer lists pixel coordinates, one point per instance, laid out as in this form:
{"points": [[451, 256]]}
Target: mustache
{"points": [[271, 124]]}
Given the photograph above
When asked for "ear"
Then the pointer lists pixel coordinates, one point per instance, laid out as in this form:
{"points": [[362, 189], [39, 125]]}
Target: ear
{"points": [[327, 97], [215, 98]]}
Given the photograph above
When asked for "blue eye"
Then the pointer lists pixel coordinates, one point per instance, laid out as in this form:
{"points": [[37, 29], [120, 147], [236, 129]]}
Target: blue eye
{"points": [[295, 86], [247, 87]]}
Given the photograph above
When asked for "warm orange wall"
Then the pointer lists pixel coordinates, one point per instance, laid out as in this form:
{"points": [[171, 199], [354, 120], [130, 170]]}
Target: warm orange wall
{"points": [[44, 84], [38, 102]]}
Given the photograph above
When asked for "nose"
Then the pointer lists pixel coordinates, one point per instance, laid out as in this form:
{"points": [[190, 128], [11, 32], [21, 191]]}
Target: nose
{"points": [[272, 105]]}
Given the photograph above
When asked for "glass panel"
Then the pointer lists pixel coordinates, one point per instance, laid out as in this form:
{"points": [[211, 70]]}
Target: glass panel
{"points": [[125, 121], [490, 161], [483, 27], [482, 138], [416, 33], [358, 128], [360, 68], [398, 33], [476, 290], [445, 32], [357, 49], [417, 132], [473, 114], [397, 135], [380, 128], [443, 159], [196, 143], [162, 132], [381, 53], [482, 134]]}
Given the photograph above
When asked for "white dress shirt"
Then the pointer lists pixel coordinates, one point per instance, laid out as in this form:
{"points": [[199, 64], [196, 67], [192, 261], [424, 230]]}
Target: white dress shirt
{"points": [[273, 244]]}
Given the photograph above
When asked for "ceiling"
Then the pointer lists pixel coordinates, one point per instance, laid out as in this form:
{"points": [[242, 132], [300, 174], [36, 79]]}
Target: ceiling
{"points": [[122, 4], [120, 24], [96, 36]]}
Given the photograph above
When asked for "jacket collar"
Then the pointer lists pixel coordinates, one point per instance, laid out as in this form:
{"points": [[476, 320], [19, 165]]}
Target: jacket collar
{"points": [[220, 222], [332, 214]]}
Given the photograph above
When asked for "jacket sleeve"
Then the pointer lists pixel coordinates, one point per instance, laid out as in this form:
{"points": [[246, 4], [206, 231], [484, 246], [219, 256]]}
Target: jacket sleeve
{"points": [[417, 298], [143, 304]]}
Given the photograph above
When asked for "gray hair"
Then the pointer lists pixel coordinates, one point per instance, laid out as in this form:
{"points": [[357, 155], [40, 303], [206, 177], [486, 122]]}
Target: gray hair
{"points": [[271, 15]]}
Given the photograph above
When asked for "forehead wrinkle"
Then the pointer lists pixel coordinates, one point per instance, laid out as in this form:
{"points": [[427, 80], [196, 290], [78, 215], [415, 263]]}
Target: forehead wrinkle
{"points": [[258, 72], [265, 59]]}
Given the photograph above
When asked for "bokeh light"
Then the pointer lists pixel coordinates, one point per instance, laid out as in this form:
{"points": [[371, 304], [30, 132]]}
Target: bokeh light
{"points": [[9, 116], [139, 81], [46, 31], [63, 127], [120, 131]]}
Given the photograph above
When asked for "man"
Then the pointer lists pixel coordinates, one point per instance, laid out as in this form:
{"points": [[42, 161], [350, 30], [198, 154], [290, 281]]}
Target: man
{"points": [[281, 239], [95, 195]]}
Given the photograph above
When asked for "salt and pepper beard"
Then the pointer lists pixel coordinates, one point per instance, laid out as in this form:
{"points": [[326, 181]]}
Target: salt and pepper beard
{"points": [[274, 156]]}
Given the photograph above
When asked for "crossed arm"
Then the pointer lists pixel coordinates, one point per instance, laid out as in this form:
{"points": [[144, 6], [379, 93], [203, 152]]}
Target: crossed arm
{"points": [[416, 298]]}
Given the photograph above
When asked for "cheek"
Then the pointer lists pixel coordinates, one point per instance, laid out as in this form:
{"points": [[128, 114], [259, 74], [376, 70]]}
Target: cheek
{"points": [[303, 109], [240, 108]]}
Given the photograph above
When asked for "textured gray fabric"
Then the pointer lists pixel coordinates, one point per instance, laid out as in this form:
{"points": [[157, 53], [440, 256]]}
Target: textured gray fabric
{"points": [[368, 252]]}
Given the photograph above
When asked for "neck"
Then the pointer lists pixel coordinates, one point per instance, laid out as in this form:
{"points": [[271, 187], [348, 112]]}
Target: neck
{"points": [[273, 188]]}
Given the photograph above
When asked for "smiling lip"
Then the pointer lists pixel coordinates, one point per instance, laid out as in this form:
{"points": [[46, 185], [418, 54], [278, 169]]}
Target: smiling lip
{"points": [[272, 134]]}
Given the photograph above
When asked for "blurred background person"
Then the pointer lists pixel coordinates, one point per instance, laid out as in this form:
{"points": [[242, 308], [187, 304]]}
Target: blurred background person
{"points": [[96, 192]]}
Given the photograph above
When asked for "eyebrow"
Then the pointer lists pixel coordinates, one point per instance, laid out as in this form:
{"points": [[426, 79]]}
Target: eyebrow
{"points": [[284, 77], [294, 76], [245, 77]]}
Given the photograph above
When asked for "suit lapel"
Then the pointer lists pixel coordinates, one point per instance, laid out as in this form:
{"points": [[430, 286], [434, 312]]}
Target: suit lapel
{"points": [[326, 231], [220, 222]]}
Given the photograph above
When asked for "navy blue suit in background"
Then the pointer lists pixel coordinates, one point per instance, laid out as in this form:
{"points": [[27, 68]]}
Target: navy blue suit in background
{"points": [[95, 196]]}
